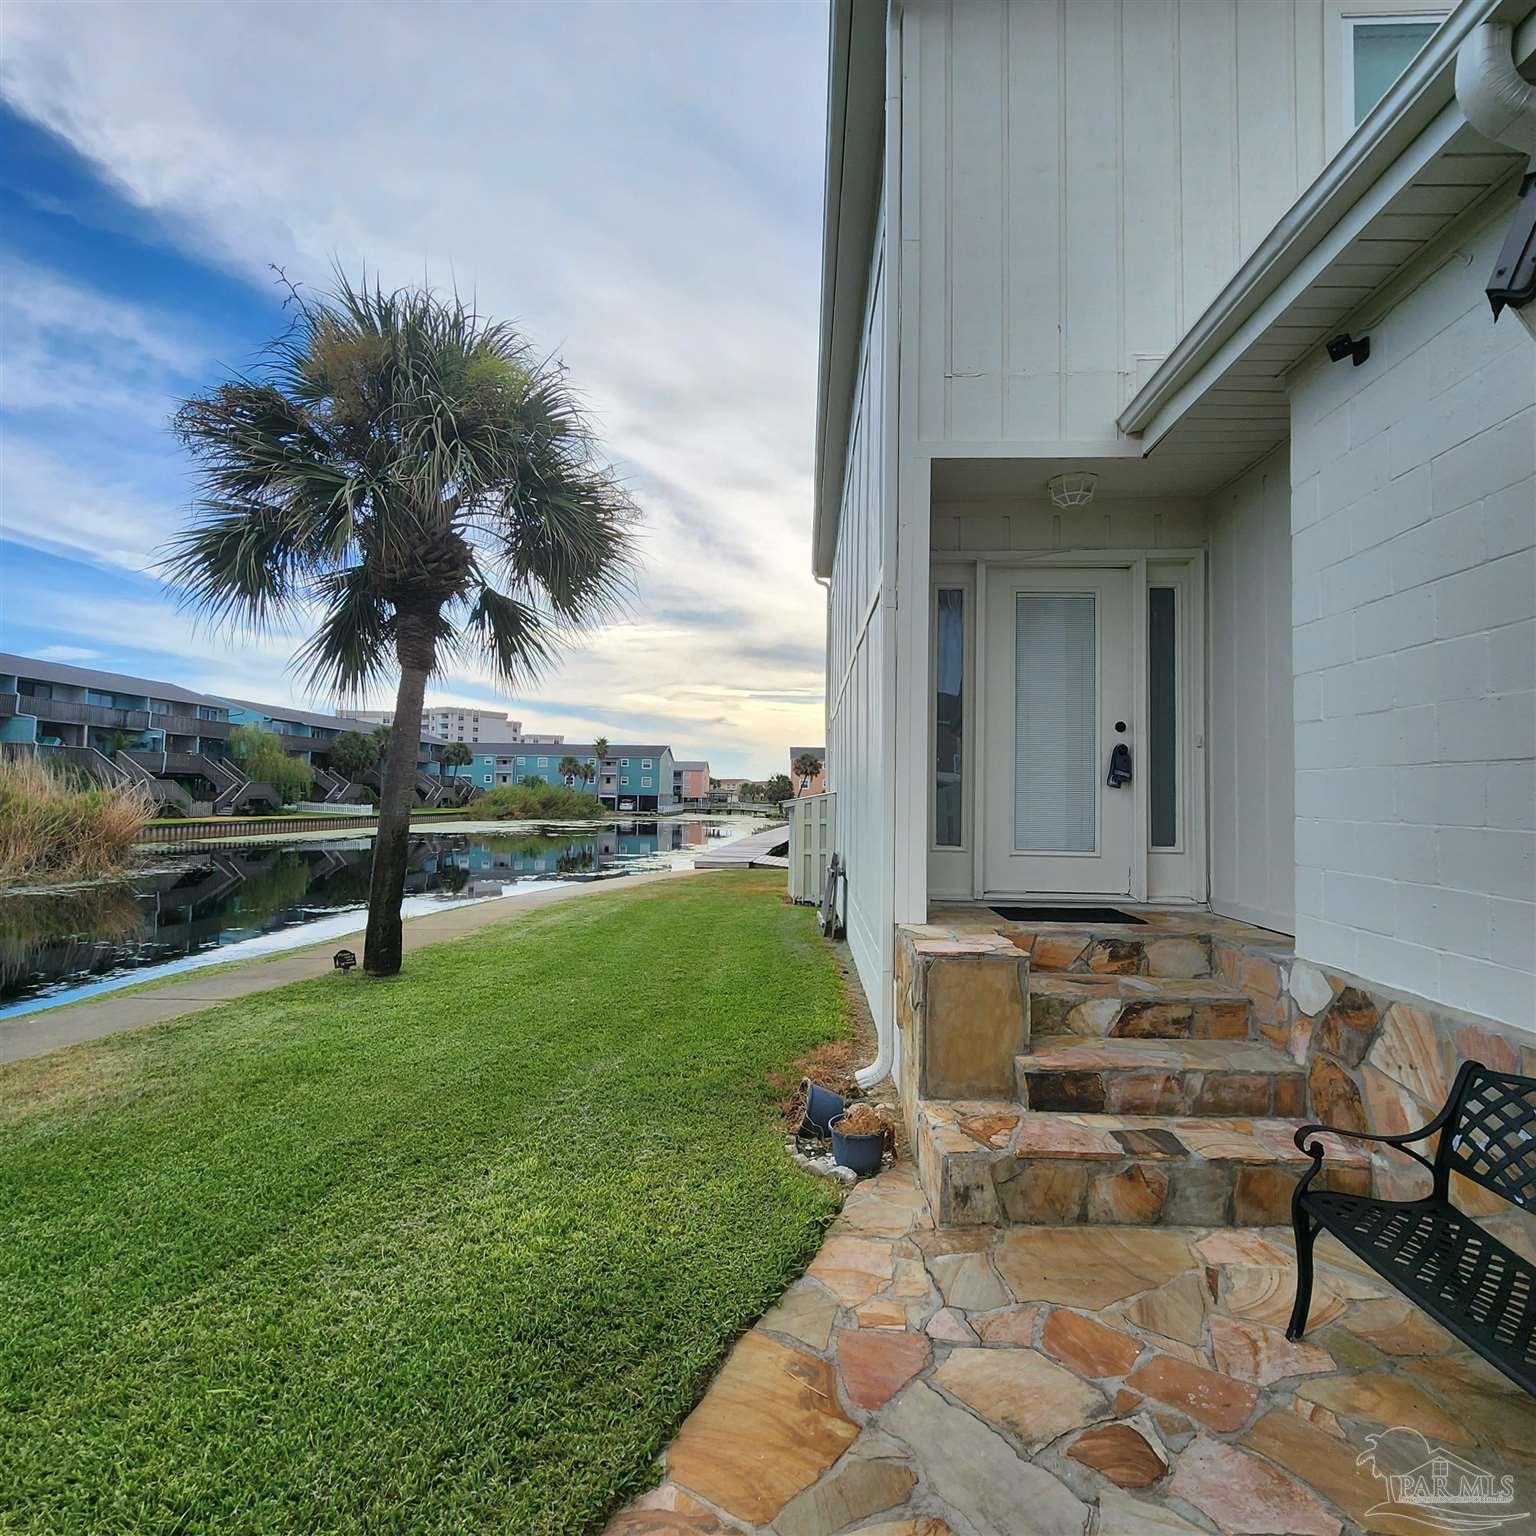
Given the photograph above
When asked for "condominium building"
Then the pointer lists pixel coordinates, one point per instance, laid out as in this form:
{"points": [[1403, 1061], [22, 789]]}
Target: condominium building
{"points": [[632, 778], [48, 703], [458, 722]]}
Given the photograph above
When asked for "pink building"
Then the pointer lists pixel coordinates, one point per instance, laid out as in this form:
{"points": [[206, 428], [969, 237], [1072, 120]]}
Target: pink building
{"points": [[690, 781], [808, 784]]}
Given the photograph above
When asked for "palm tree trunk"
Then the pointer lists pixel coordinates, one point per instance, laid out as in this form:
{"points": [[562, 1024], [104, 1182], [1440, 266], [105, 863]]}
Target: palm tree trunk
{"points": [[397, 793]]}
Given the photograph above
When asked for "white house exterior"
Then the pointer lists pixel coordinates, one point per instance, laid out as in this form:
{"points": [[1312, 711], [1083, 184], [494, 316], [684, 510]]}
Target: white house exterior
{"points": [[1082, 238]]}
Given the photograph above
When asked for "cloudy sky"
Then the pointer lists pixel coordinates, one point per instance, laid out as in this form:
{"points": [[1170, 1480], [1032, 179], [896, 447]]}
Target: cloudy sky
{"points": [[637, 185]]}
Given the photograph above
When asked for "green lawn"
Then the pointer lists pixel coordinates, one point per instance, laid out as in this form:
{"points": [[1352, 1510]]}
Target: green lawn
{"points": [[454, 1252]]}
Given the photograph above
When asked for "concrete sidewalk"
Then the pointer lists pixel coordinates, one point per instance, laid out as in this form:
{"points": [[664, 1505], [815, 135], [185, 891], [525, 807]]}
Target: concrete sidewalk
{"points": [[35, 1034]]}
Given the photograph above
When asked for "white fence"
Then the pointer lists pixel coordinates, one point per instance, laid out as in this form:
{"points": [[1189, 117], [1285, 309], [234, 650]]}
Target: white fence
{"points": [[812, 836]]}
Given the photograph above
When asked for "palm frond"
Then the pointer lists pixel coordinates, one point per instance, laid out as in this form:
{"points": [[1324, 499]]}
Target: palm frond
{"points": [[352, 647], [517, 640]]}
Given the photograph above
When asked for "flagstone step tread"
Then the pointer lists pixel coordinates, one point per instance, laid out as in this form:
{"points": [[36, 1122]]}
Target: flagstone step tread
{"points": [[1204, 989], [969, 1125], [1137, 1007], [1067, 1053], [1204, 1077], [984, 1162]]}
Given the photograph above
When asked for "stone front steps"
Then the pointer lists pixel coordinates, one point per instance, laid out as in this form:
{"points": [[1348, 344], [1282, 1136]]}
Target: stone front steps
{"points": [[984, 1162], [1115, 949], [1211, 1077], [1120, 1007]]}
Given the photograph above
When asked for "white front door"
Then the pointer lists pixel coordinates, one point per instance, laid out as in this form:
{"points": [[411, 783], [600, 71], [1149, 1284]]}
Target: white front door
{"points": [[1058, 686]]}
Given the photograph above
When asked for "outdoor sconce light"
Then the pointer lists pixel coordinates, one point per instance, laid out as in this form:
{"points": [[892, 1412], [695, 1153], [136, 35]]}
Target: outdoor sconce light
{"points": [[1344, 345], [1074, 489], [344, 960]]}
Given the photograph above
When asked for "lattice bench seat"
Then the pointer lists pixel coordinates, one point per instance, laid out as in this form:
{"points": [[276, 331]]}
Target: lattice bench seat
{"points": [[1437, 1256]]}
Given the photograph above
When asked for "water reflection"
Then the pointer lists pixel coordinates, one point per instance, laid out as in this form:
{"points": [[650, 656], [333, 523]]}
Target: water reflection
{"points": [[52, 944]]}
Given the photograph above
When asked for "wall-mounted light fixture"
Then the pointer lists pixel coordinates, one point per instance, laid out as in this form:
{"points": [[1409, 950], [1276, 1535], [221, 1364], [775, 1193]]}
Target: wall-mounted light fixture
{"points": [[1344, 345], [1073, 489]]}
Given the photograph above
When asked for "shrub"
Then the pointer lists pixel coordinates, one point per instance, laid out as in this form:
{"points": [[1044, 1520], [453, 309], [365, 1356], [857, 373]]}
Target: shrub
{"points": [[353, 753], [261, 757], [53, 828], [537, 801]]}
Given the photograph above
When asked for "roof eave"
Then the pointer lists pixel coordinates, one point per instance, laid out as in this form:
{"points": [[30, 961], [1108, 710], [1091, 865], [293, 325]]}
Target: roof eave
{"points": [[855, 124], [1411, 105]]}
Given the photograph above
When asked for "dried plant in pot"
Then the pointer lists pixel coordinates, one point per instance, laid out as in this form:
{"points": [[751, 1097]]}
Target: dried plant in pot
{"points": [[859, 1136]]}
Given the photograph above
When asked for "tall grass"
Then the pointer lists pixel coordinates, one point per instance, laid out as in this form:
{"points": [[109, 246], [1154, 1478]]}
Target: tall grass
{"points": [[53, 828], [537, 802]]}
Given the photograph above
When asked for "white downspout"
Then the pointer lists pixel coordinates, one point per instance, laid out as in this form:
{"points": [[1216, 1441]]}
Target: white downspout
{"points": [[1493, 96], [1501, 105]]}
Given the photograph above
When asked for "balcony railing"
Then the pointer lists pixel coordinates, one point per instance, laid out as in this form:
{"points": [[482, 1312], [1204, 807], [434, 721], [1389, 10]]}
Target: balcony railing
{"points": [[190, 725], [71, 712], [171, 762]]}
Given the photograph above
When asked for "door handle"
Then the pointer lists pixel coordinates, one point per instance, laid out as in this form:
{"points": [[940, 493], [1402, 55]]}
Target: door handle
{"points": [[1119, 773]]}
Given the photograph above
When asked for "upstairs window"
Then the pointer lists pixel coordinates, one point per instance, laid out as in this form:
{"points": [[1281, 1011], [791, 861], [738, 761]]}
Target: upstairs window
{"points": [[1377, 49]]}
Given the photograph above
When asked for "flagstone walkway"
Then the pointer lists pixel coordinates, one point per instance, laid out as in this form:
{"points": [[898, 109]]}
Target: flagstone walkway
{"points": [[1029, 1381]]}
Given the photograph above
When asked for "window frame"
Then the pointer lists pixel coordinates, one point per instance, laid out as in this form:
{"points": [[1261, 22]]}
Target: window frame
{"points": [[949, 575], [1356, 16]]}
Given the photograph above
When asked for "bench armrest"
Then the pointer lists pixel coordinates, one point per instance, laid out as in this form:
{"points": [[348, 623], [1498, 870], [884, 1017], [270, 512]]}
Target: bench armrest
{"points": [[1315, 1150]]}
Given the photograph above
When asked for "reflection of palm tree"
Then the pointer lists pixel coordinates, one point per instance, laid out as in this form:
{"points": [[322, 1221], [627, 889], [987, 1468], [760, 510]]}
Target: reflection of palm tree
{"points": [[452, 877]]}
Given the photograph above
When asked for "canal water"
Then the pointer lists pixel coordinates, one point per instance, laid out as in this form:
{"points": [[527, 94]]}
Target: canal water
{"points": [[184, 910]]}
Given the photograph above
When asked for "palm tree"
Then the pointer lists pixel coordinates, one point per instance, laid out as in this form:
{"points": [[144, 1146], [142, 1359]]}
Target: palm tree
{"points": [[410, 470], [571, 769], [600, 752], [805, 768], [456, 755]]}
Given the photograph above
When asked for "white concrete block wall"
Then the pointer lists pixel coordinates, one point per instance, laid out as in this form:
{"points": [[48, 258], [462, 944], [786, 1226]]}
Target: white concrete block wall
{"points": [[1414, 612]]}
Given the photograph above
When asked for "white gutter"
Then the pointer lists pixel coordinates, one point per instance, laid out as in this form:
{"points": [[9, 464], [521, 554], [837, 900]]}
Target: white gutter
{"points": [[839, 25], [1424, 89], [1496, 100]]}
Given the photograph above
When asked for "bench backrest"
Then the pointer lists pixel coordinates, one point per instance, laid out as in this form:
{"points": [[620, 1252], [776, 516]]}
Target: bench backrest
{"points": [[1490, 1136]]}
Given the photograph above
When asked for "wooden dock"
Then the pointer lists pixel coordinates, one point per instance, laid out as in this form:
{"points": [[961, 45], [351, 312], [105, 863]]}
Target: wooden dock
{"points": [[757, 851]]}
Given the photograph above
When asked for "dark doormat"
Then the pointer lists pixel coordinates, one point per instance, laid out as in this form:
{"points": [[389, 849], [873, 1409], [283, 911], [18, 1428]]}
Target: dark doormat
{"points": [[1067, 915]]}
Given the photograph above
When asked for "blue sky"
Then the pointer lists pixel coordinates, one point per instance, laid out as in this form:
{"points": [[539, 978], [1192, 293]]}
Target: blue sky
{"points": [[637, 186]]}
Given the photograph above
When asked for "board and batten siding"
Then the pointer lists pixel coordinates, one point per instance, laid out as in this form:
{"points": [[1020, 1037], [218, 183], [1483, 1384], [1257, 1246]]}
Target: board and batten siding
{"points": [[1250, 743], [1079, 179], [858, 733]]}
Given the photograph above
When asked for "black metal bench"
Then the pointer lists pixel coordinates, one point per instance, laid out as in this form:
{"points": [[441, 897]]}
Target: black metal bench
{"points": [[1436, 1255]]}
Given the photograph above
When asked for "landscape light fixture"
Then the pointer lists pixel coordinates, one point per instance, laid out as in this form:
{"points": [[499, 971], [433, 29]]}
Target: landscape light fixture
{"points": [[1073, 489], [1344, 345]]}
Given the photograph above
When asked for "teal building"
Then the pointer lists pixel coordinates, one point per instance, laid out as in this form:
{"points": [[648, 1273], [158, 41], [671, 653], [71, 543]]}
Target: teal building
{"points": [[629, 778]]}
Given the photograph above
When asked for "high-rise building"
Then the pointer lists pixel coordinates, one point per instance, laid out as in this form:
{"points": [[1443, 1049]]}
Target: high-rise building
{"points": [[457, 722]]}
